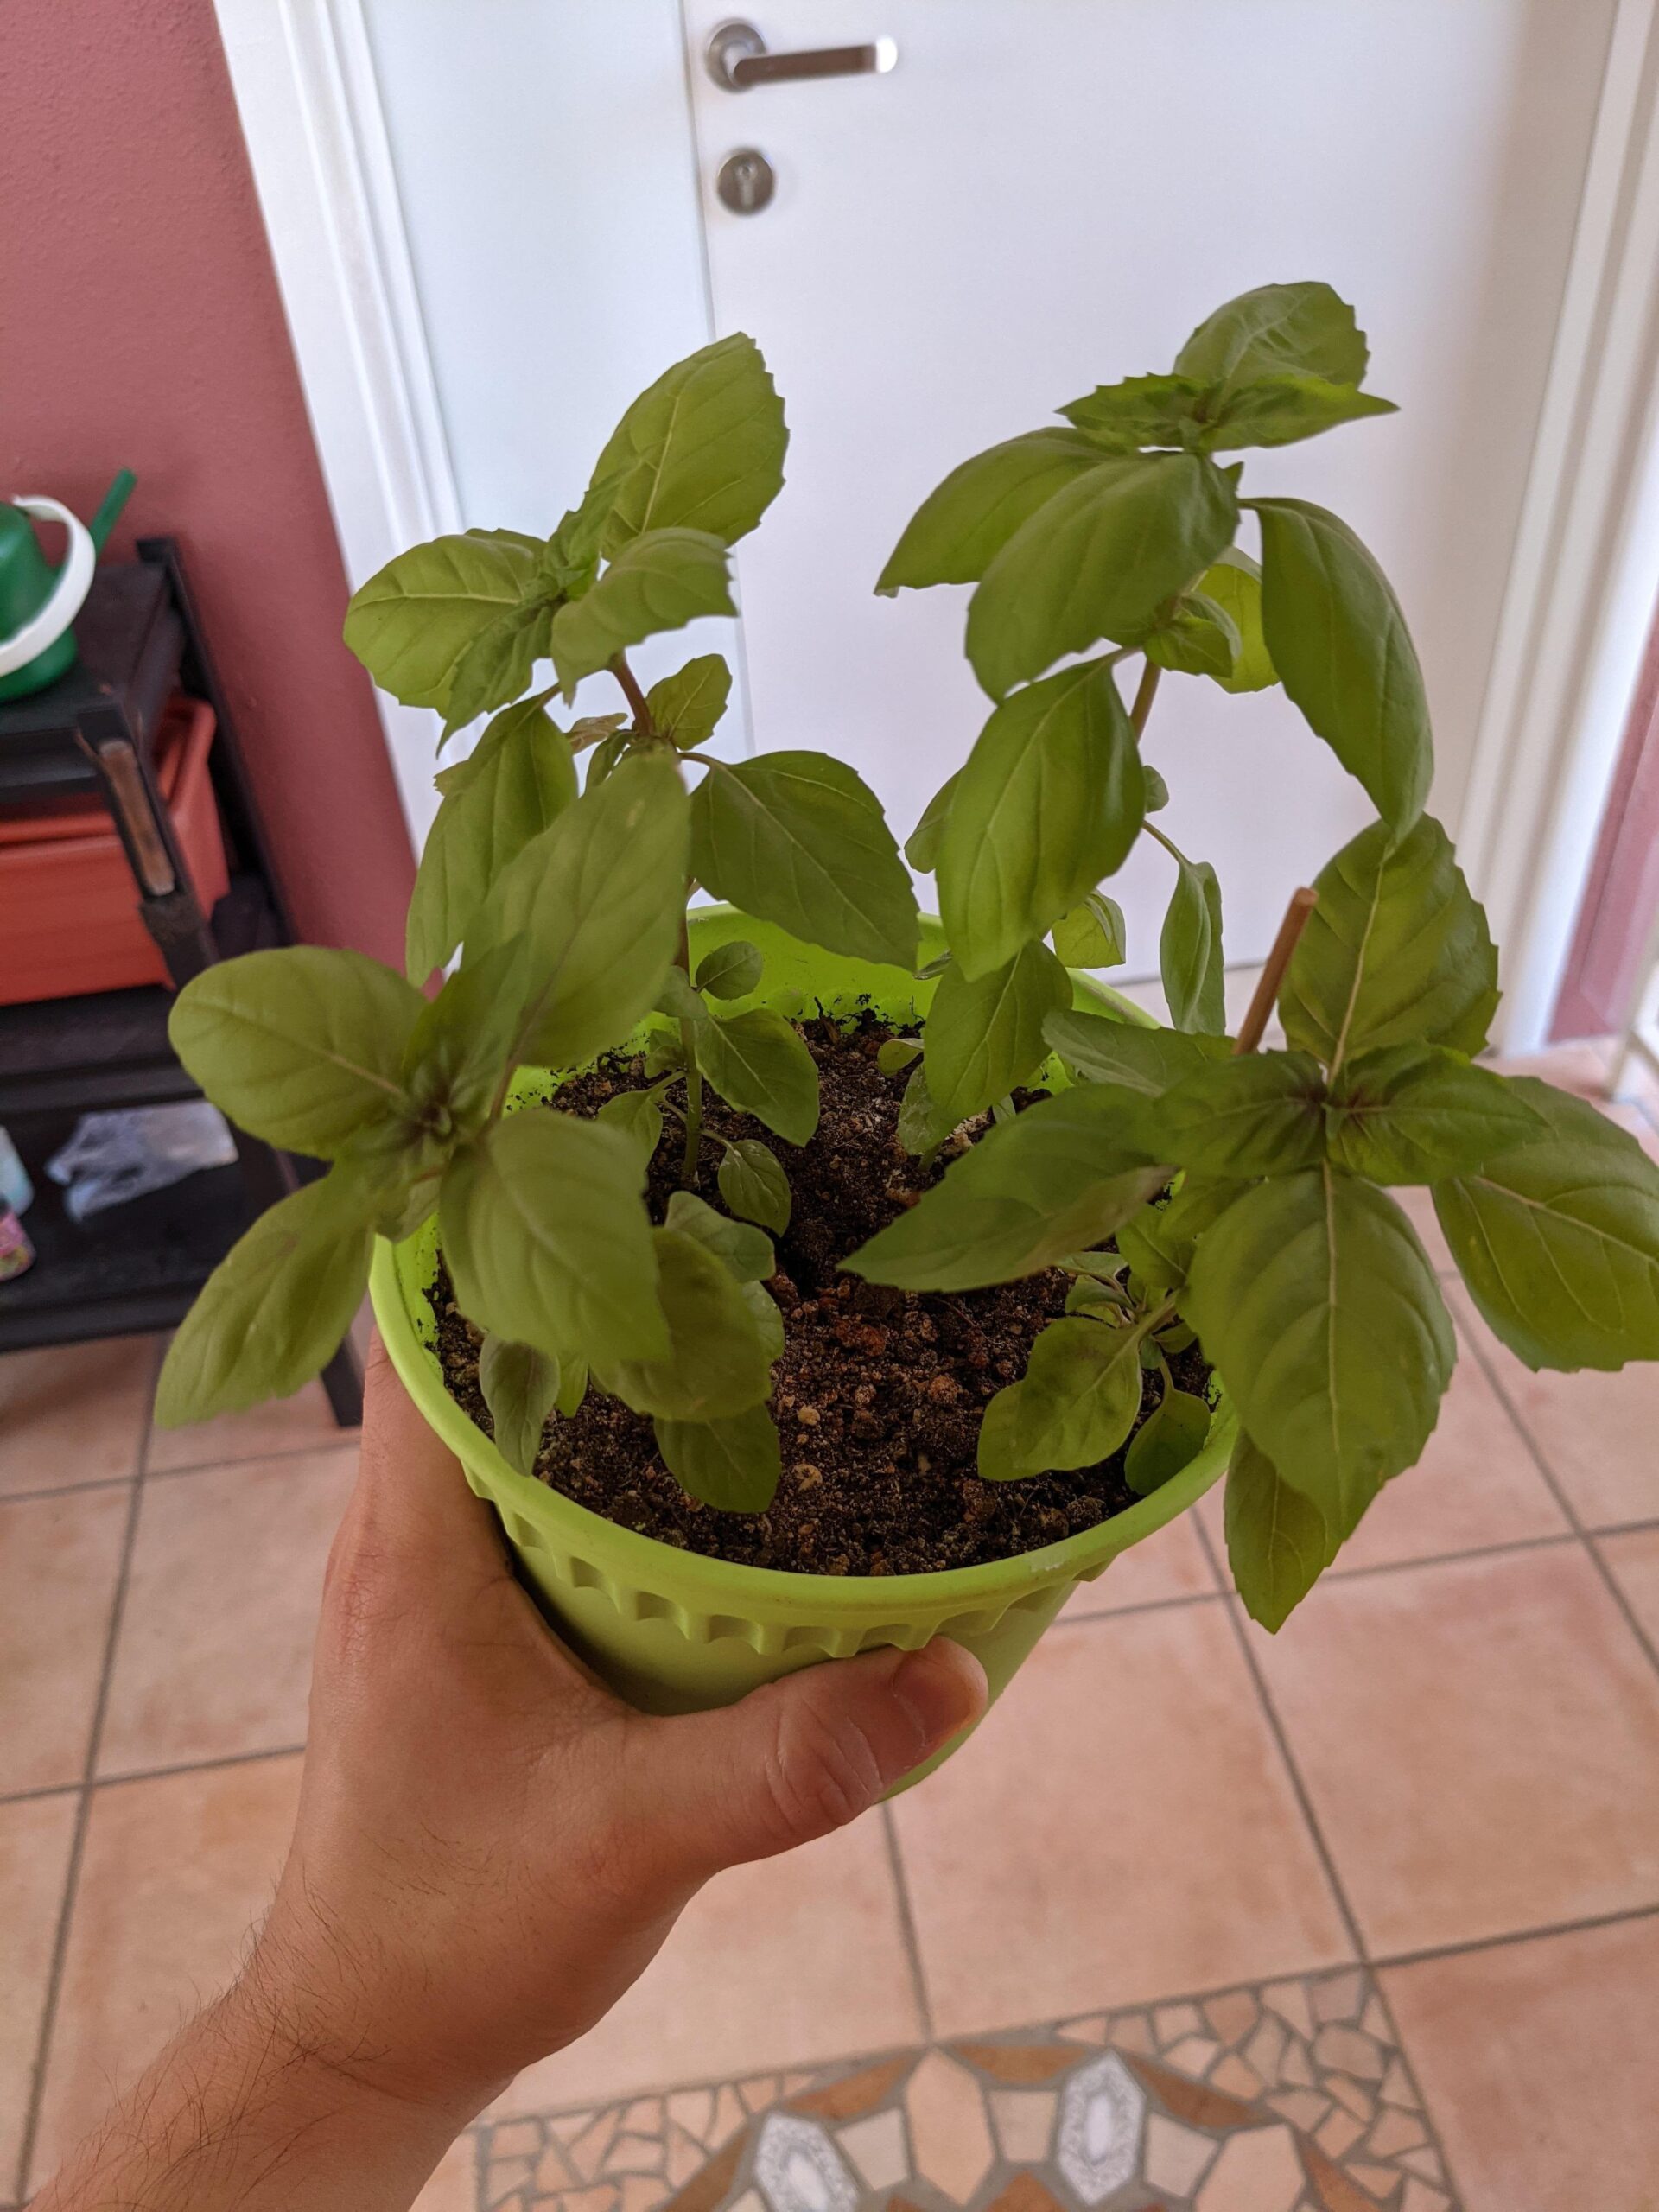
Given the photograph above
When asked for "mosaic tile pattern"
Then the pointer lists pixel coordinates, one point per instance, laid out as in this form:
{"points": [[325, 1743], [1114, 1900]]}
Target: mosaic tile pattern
{"points": [[1293, 2096]]}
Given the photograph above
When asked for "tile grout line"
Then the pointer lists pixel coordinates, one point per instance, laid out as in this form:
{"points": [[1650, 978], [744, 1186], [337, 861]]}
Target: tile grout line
{"points": [[907, 1920], [1509, 1937], [63, 1490], [1294, 1773], [1552, 1482], [83, 1810], [154, 1774]]}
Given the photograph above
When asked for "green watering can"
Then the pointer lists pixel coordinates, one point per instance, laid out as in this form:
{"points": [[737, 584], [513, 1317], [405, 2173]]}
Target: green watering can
{"points": [[39, 604]]}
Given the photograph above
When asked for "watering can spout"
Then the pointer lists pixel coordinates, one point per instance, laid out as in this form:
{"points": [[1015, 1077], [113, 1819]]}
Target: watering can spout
{"points": [[38, 604]]}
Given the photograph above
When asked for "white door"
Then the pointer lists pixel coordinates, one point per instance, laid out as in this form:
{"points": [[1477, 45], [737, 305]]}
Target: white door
{"points": [[1037, 197]]}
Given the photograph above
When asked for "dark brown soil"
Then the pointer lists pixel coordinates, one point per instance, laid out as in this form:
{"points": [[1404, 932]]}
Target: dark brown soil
{"points": [[879, 1393]]}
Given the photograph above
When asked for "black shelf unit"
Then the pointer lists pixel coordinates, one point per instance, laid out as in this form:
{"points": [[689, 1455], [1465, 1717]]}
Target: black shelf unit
{"points": [[138, 1266]]}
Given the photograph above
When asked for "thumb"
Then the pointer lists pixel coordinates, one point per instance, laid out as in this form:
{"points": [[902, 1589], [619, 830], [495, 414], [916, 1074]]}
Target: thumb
{"points": [[800, 1756]]}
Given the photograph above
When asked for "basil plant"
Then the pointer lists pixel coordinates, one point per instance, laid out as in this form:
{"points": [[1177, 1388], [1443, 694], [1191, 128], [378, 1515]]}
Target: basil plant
{"points": [[1192, 1185]]}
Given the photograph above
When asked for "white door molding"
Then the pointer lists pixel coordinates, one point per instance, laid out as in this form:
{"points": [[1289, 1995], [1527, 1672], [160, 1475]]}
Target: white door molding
{"points": [[303, 77], [1579, 595]]}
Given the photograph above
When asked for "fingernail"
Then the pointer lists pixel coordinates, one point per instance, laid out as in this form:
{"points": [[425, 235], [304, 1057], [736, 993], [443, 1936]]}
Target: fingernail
{"points": [[945, 1687]]}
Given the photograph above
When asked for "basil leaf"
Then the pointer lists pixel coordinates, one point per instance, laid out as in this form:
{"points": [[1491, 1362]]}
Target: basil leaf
{"points": [[1074, 1403], [1157, 410], [1298, 329], [1171, 1438], [1315, 1301], [732, 1464], [745, 1251], [460, 1048], [920, 1126], [702, 447], [1279, 410], [1157, 791], [1259, 1114], [1418, 1113], [896, 1055], [302, 1045], [716, 1360], [599, 897], [752, 1183], [1091, 934], [570, 559], [573, 1387], [548, 1241], [660, 581], [1102, 1050], [1189, 951], [1098, 560], [760, 1064], [731, 970], [1234, 585], [800, 840], [519, 1385], [412, 621], [1199, 639], [1397, 951], [984, 1034], [1558, 1238], [1052, 1181], [273, 1312], [636, 1116], [923, 850], [1278, 1545], [685, 707], [678, 1000], [962, 526], [1343, 654], [498, 663], [518, 778], [1049, 800], [1159, 1241]]}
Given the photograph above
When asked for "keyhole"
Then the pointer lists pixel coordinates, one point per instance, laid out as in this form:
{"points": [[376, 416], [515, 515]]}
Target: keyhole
{"points": [[746, 181]]}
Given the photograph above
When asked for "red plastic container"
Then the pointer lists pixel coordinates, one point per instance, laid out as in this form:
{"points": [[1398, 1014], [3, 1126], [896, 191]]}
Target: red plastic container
{"points": [[69, 919]]}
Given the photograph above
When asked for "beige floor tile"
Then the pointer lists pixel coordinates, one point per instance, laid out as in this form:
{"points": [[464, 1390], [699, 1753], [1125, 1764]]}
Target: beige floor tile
{"points": [[786, 1963], [1633, 1556], [74, 1412], [1537, 2062], [35, 1840], [301, 1423], [1121, 1828], [1599, 1433], [1480, 1741], [214, 1657], [1171, 1564], [176, 1871], [1580, 1065], [454, 2187], [59, 1558]]}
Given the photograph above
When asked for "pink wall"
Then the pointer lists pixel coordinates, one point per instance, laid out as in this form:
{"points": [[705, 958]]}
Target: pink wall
{"points": [[140, 324]]}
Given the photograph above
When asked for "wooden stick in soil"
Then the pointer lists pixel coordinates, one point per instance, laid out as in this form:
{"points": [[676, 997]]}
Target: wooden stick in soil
{"points": [[1302, 903]]}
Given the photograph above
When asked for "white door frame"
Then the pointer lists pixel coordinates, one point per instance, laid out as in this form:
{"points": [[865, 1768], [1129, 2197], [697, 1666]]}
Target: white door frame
{"points": [[303, 77], [1576, 605]]}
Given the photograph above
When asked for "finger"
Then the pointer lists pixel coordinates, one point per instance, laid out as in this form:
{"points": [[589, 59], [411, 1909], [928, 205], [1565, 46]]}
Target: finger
{"points": [[412, 1497], [800, 1756]]}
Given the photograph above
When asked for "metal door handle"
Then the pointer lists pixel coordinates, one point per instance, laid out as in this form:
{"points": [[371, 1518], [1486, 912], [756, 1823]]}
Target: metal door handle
{"points": [[736, 59]]}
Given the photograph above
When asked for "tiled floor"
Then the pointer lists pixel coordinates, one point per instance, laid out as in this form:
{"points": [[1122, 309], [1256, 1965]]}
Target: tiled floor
{"points": [[1204, 1920]]}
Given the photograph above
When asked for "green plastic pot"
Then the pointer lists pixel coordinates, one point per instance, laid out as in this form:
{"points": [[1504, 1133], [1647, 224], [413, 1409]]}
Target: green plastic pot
{"points": [[673, 1631]]}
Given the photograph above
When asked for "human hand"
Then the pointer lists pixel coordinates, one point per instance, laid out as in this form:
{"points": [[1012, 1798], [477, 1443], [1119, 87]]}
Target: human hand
{"points": [[490, 1848], [490, 1844]]}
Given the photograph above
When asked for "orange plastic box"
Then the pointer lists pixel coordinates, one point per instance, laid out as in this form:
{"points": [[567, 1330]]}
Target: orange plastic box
{"points": [[69, 920]]}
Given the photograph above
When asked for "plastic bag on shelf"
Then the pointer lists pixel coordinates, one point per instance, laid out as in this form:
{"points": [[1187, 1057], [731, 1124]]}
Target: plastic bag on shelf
{"points": [[119, 1155]]}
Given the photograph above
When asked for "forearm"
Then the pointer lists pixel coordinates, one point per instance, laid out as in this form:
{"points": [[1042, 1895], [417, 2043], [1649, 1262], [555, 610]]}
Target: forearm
{"points": [[235, 2114]]}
